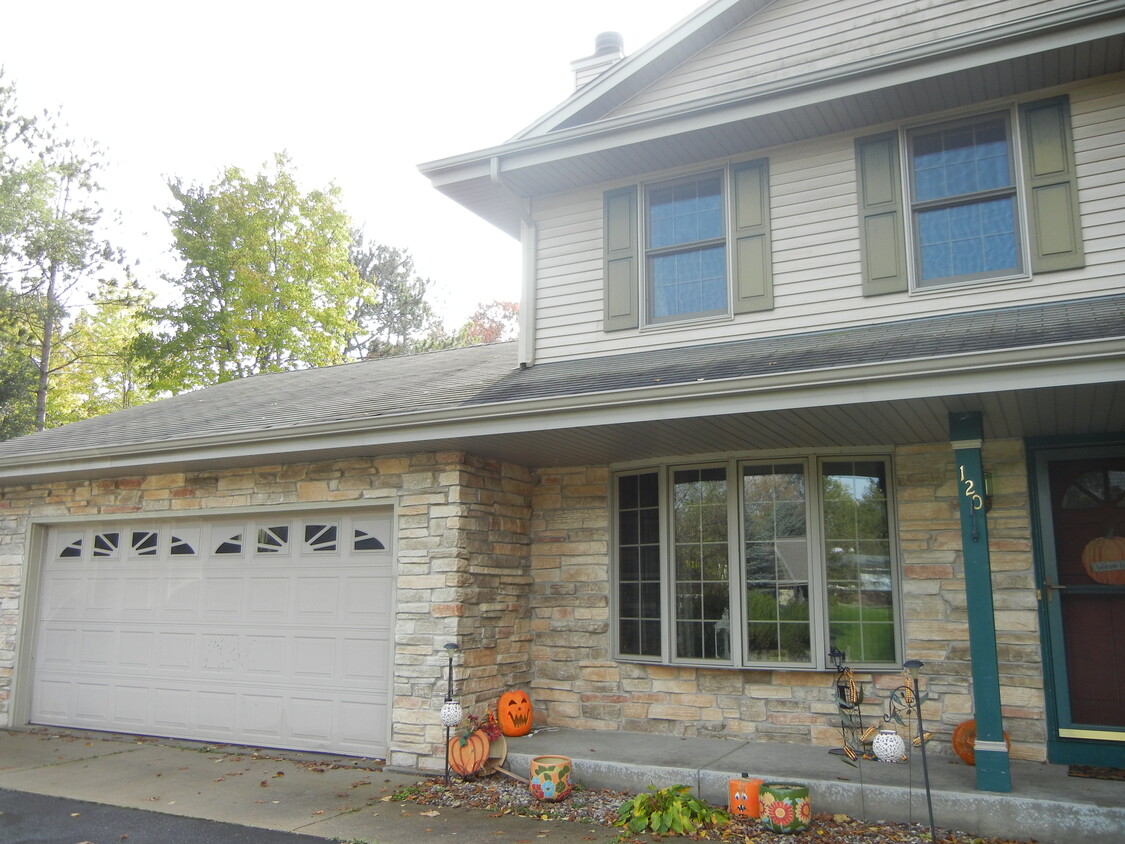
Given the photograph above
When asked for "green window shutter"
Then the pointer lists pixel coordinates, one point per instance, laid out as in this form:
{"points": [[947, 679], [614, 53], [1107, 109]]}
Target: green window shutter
{"points": [[1052, 189], [882, 236], [750, 237], [622, 256]]}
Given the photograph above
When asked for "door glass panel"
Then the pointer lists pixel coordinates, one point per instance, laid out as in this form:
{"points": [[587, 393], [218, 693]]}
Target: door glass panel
{"points": [[774, 521]]}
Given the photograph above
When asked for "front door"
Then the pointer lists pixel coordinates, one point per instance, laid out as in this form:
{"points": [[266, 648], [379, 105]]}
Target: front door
{"points": [[1082, 519]]}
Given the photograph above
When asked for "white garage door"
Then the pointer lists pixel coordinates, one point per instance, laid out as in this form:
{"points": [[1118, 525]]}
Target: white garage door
{"points": [[273, 632]]}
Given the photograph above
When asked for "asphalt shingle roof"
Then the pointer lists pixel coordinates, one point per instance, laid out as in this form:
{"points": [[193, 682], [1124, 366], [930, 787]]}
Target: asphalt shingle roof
{"points": [[488, 375]]}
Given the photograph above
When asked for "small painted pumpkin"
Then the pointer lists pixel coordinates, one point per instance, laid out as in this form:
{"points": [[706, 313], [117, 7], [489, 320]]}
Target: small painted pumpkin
{"points": [[514, 713], [1104, 559], [467, 754]]}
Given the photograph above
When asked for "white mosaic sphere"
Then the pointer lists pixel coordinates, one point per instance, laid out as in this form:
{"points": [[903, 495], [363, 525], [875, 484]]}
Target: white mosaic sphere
{"points": [[451, 714], [888, 746]]}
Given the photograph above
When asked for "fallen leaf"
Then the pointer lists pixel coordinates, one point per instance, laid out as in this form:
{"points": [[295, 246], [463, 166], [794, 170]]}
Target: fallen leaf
{"points": [[75, 815], [279, 774], [433, 813], [264, 784]]}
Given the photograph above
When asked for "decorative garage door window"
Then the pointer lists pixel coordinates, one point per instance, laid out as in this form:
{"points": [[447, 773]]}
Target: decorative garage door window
{"points": [[317, 537]]}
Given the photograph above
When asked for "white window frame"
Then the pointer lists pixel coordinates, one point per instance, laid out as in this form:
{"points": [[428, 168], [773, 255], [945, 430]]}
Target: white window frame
{"points": [[1015, 153], [813, 463], [648, 251]]}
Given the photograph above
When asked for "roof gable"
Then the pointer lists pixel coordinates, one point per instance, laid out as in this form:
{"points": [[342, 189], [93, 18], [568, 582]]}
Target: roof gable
{"points": [[633, 74], [741, 76]]}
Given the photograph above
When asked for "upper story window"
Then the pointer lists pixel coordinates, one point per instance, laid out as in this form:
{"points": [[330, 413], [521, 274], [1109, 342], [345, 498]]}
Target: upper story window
{"points": [[688, 248], [963, 202], [686, 256], [757, 563], [986, 197]]}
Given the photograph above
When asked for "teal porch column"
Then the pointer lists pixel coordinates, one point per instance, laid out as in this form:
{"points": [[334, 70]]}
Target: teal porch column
{"points": [[993, 773]]}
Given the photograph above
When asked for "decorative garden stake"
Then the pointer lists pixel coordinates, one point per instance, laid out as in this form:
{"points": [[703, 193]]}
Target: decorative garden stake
{"points": [[913, 667], [848, 696], [451, 712]]}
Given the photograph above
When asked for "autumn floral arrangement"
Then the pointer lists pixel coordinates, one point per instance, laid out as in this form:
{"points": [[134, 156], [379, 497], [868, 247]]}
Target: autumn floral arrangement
{"points": [[487, 723]]}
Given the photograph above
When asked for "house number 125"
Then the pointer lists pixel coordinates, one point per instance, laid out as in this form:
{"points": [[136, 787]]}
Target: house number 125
{"points": [[970, 491]]}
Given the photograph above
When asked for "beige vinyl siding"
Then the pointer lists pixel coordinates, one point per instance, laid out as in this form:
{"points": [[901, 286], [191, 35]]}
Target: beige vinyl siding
{"points": [[569, 269], [816, 259], [791, 38]]}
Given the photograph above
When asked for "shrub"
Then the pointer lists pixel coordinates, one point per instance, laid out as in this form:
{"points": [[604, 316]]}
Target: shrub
{"points": [[671, 809]]}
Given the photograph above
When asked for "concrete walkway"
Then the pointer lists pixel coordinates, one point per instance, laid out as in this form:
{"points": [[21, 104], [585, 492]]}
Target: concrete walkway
{"points": [[348, 799]]}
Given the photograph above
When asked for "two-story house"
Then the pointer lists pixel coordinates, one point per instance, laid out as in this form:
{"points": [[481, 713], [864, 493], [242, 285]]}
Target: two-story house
{"points": [[823, 347]]}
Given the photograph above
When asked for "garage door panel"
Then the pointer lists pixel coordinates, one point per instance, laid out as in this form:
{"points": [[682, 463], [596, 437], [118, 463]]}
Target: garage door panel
{"points": [[97, 648], [91, 702], [222, 598], [283, 637]]}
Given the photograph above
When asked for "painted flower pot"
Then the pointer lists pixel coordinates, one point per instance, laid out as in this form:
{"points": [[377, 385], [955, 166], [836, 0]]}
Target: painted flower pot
{"points": [[785, 806], [550, 778]]}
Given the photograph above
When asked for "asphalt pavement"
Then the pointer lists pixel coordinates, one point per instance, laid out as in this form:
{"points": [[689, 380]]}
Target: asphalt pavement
{"points": [[77, 788], [38, 819]]}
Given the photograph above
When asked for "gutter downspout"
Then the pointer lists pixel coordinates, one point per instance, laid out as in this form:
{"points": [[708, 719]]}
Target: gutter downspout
{"points": [[529, 241]]}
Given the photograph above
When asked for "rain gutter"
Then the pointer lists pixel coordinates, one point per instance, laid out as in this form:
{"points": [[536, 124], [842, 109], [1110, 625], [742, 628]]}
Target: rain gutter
{"points": [[1069, 364]]}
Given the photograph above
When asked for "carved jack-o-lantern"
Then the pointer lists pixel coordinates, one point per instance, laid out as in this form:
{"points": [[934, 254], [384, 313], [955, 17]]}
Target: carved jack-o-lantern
{"points": [[514, 713]]}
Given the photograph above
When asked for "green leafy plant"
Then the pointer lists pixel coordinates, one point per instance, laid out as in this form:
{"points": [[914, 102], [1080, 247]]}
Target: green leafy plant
{"points": [[672, 809]]}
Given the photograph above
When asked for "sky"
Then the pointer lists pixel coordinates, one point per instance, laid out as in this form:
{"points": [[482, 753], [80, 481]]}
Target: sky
{"points": [[358, 93]]}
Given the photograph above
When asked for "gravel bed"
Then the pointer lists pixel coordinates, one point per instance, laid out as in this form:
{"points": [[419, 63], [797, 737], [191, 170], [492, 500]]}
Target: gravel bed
{"points": [[501, 795]]}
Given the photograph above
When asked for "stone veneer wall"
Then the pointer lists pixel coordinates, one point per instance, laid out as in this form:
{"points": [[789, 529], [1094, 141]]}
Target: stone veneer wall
{"points": [[462, 549], [578, 684]]}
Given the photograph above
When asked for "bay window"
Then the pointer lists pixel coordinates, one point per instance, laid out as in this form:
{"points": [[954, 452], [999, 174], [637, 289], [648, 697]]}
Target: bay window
{"points": [[757, 563]]}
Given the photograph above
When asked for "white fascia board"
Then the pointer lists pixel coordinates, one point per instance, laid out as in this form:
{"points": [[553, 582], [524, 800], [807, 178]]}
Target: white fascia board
{"points": [[1090, 362]]}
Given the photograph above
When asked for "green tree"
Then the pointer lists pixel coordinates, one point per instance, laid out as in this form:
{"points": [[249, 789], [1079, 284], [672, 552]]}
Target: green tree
{"points": [[267, 282], [49, 219], [18, 376], [390, 313], [102, 371]]}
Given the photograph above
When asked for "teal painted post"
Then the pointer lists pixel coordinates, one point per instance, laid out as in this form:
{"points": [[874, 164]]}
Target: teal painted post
{"points": [[993, 773]]}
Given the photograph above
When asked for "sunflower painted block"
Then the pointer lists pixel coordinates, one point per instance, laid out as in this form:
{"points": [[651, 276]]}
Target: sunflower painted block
{"points": [[785, 807]]}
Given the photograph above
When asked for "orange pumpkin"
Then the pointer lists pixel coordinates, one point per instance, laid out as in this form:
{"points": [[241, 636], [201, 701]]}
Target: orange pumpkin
{"points": [[468, 754], [514, 713], [965, 738], [1104, 559]]}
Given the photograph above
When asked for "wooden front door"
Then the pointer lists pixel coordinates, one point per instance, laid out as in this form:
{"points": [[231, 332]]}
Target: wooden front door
{"points": [[1082, 501]]}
